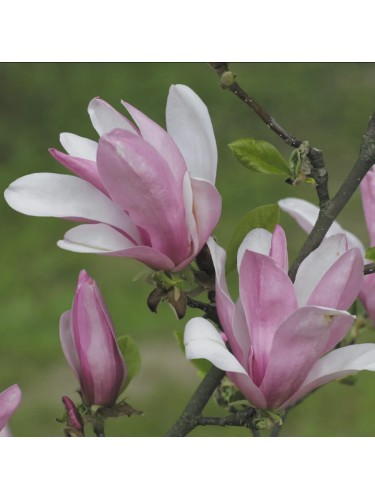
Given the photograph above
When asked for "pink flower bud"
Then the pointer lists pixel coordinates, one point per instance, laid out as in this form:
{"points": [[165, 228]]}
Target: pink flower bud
{"points": [[9, 401], [90, 347]]}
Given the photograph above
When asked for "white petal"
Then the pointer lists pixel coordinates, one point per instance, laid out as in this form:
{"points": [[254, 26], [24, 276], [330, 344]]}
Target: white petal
{"points": [[306, 215], [105, 118], [258, 240], [57, 195], [94, 238], [317, 264], [189, 124], [202, 340], [79, 147], [105, 240], [335, 365]]}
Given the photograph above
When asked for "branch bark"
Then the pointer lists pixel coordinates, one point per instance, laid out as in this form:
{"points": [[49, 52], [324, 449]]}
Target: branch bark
{"points": [[187, 421], [329, 213]]}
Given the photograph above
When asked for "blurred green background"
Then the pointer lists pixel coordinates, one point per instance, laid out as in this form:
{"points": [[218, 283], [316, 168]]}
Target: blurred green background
{"points": [[328, 104]]}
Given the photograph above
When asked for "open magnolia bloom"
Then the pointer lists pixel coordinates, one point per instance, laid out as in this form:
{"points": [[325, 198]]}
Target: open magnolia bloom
{"points": [[306, 215], [9, 402], [280, 333], [147, 193]]}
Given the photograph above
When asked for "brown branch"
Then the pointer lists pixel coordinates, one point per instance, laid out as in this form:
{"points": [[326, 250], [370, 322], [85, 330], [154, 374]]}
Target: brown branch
{"points": [[187, 421], [369, 268], [319, 172], [329, 213]]}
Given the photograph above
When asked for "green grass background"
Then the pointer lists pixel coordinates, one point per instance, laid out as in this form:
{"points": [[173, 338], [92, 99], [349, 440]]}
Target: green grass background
{"points": [[328, 104]]}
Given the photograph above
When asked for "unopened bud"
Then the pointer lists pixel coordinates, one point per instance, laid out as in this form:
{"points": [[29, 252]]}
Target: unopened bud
{"points": [[75, 427], [227, 79]]}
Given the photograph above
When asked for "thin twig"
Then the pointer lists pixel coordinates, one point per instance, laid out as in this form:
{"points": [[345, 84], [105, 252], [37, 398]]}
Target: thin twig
{"points": [[327, 215], [369, 268], [319, 172], [186, 422]]}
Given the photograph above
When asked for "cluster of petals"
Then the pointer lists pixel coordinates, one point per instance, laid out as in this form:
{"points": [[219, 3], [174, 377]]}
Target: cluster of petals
{"points": [[277, 339], [140, 191], [9, 402], [306, 215], [90, 347]]}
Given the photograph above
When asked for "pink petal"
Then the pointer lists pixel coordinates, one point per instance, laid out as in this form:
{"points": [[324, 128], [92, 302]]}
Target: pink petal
{"points": [[189, 124], [258, 240], [140, 182], [297, 345], [161, 141], [279, 251], [9, 402], [224, 303], [335, 365], [339, 329], [314, 267], [251, 392], [340, 285], [367, 295], [268, 298], [68, 345], [82, 168], [5, 432], [105, 118], [105, 240], [367, 187], [206, 209], [102, 367]]}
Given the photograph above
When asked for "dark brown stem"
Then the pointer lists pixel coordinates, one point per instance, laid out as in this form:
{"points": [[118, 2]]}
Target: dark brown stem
{"points": [[329, 213], [369, 268], [187, 421]]}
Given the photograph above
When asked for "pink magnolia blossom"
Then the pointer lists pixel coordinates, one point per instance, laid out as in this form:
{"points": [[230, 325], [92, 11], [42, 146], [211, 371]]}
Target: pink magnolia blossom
{"points": [[147, 193], [306, 214], [280, 333], [90, 347], [9, 401]]}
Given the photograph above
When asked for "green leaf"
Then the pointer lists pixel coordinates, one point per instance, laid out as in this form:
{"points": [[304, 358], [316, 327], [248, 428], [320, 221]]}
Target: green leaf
{"points": [[370, 253], [266, 216], [202, 365], [259, 156], [131, 355]]}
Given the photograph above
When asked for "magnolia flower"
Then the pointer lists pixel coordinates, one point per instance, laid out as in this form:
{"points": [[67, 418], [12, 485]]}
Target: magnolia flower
{"points": [[146, 193], [90, 347], [280, 333], [306, 215], [9, 401]]}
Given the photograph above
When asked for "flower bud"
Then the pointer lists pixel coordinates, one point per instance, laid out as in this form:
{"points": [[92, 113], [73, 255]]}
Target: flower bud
{"points": [[75, 425], [90, 347], [9, 401]]}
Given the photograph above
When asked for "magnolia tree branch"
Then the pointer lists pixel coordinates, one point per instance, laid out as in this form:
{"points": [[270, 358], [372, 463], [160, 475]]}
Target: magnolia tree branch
{"points": [[369, 268], [329, 213], [319, 172], [329, 210], [188, 419]]}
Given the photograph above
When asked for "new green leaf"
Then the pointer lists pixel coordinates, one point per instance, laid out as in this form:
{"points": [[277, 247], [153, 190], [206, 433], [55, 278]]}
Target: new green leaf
{"points": [[131, 356], [370, 253], [259, 156]]}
